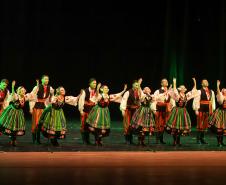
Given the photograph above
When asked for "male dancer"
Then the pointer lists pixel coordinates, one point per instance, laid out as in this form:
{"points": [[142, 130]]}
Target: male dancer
{"points": [[86, 102], [44, 92], [130, 102], [164, 104], [203, 105], [4, 93]]}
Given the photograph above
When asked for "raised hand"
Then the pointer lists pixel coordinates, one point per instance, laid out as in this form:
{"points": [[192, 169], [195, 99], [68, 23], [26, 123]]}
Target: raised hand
{"points": [[174, 80], [218, 83], [99, 85], [194, 80], [81, 91], [140, 80], [37, 82], [13, 83], [174, 83], [218, 86], [125, 87]]}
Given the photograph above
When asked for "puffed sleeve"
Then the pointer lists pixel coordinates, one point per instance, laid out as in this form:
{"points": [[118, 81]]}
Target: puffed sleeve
{"points": [[174, 94], [12, 97], [196, 101], [213, 101], [192, 94], [6, 102], [123, 103], [71, 100], [116, 97], [220, 98], [81, 101], [51, 91], [32, 101]]}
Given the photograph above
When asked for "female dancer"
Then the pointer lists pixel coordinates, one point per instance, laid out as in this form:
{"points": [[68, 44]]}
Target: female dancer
{"points": [[12, 121], [143, 121], [179, 122], [52, 122], [218, 119], [99, 117]]}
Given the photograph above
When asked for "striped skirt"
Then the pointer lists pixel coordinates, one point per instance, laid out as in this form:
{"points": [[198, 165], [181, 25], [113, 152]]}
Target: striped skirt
{"points": [[143, 117], [12, 121], [218, 119], [99, 117], [179, 121], [53, 123]]}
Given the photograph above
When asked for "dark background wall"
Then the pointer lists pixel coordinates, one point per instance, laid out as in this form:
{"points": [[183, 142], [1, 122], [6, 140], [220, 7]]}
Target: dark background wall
{"points": [[113, 42]]}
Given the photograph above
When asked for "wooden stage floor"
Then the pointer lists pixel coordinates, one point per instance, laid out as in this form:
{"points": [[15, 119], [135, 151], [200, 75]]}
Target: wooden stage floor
{"points": [[181, 167], [115, 163], [115, 142]]}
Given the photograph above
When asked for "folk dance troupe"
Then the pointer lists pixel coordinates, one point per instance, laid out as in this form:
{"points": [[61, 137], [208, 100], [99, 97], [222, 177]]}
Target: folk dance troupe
{"points": [[144, 114]]}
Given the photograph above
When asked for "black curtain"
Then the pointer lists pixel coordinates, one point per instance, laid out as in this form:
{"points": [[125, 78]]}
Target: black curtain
{"points": [[116, 43]]}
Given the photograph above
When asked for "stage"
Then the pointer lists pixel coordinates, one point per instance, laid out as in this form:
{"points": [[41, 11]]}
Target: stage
{"points": [[113, 163], [193, 167], [115, 142]]}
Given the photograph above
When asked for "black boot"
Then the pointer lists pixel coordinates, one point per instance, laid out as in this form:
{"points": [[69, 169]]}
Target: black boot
{"points": [[178, 140], [38, 137], [141, 140], [218, 141], [202, 138], [13, 140], [131, 139], [174, 140], [33, 138], [54, 142], [98, 140], [198, 137], [83, 137], [126, 139], [86, 134], [161, 138], [14, 143], [86, 138], [157, 137], [221, 140]]}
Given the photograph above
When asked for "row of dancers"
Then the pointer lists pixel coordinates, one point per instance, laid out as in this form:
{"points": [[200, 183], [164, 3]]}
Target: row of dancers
{"points": [[143, 113]]}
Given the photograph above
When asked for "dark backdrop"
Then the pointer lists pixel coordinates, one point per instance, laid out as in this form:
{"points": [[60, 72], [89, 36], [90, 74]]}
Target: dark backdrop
{"points": [[113, 42]]}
